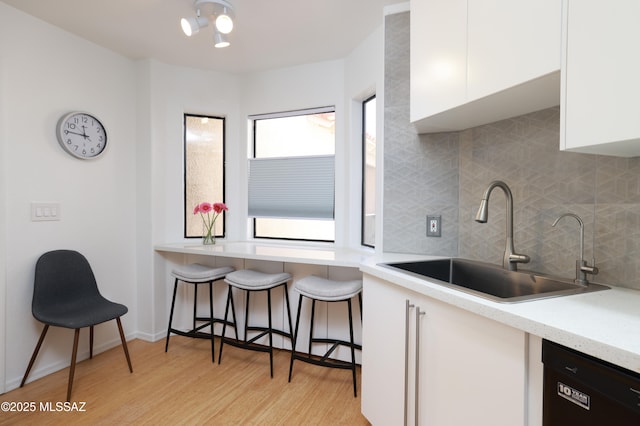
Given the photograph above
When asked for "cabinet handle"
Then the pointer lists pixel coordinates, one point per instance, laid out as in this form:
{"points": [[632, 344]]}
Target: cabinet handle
{"points": [[408, 306], [417, 383], [574, 370]]}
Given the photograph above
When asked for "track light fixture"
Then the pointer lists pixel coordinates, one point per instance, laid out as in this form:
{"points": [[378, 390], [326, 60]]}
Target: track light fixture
{"points": [[219, 39], [220, 12]]}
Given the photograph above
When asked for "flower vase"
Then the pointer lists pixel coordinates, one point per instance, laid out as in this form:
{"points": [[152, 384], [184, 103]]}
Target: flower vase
{"points": [[208, 236]]}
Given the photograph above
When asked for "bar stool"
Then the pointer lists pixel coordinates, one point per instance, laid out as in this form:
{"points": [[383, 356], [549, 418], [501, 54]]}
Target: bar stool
{"points": [[196, 274], [252, 281], [324, 290]]}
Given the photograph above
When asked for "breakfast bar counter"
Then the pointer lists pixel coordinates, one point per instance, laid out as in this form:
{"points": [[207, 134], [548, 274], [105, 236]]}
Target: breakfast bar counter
{"points": [[308, 254]]}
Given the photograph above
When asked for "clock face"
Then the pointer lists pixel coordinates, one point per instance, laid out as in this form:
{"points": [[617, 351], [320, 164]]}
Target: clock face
{"points": [[82, 135]]}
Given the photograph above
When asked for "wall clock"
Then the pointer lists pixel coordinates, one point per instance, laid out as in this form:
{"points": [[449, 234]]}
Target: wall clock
{"points": [[81, 135]]}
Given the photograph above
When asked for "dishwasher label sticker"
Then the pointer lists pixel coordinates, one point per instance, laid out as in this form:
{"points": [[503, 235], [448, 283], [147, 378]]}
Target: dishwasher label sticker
{"points": [[574, 395]]}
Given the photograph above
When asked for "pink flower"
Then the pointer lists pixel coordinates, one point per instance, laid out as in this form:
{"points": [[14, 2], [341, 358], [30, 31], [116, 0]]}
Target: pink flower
{"points": [[209, 213], [205, 207], [219, 207]]}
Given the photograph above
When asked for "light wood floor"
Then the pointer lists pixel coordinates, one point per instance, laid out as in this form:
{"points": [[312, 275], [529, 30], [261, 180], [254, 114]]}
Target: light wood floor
{"points": [[184, 387]]}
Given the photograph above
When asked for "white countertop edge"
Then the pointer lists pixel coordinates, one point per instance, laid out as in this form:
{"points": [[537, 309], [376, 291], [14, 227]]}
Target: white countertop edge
{"points": [[276, 252], [598, 324]]}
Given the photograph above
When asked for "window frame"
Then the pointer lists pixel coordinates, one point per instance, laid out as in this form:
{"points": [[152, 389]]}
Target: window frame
{"points": [[363, 171], [184, 171], [283, 114]]}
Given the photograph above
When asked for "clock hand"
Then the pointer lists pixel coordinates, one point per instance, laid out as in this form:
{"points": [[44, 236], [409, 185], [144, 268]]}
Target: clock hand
{"points": [[75, 133], [84, 132]]}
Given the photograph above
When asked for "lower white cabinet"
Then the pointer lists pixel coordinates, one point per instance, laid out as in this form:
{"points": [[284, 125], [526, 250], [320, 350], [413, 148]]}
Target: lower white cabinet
{"points": [[426, 362]]}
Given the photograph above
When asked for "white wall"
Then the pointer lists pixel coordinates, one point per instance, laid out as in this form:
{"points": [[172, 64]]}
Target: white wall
{"points": [[3, 208], [46, 73], [116, 208], [173, 92]]}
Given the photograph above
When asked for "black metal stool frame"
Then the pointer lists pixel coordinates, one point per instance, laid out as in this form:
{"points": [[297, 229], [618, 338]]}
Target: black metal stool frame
{"points": [[208, 321], [250, 344], [325, 361]]}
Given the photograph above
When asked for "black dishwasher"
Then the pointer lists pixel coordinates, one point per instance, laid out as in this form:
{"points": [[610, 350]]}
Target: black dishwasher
{"points": [[582, 390]]}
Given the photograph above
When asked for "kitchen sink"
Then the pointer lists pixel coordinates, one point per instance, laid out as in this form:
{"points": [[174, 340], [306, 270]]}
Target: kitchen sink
{"points": [[491, 281]]}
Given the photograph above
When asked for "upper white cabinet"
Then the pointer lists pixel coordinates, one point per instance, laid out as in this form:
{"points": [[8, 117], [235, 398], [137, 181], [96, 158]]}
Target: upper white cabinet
{"points": [[478, 61], [438, 52], [601, 77]]}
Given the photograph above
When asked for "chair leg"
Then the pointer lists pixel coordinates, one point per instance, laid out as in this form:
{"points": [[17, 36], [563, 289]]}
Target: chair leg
{"points": [[233, 315], [270, 332], [313, 314], [224, 323], [124, 344], [173, 305], [295, 337], [212, 321], [195, 305], [90, 342], [246, 316], [72, 367], [353, 350], [286, 299], [35, 354]]}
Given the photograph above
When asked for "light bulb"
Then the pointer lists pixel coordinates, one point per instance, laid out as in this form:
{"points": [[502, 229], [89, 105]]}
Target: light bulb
{"points": [[191, 26], [186, 27], [219, 40], [224, 23]]}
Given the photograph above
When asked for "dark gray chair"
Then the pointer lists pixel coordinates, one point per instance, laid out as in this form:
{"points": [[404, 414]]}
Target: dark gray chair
{"points": [[65, 294]]}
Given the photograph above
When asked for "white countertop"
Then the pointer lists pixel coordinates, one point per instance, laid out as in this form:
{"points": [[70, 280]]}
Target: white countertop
{"points": [[292, 253], [605, 324]]}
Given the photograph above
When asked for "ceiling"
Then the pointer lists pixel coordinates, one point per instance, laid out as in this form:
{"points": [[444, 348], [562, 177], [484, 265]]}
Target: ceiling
{"points": [[267, 34]]}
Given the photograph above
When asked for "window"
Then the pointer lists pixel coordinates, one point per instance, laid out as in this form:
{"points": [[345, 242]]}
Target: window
{"points": [[369, 172], [291, 177], [203, 169]]}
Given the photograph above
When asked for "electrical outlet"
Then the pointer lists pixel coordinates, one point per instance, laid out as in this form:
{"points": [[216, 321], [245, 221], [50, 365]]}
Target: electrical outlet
{"points": [[434, 226]]}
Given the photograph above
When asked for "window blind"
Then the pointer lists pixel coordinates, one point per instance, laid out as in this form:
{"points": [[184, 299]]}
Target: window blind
{"points": [[292, 187]]}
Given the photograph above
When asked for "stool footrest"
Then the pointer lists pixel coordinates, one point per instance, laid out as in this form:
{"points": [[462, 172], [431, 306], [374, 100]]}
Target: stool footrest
{"points": [[334, 344], [196, 331], [324, 362], [245, 345], [191, 333], [265, 331]]}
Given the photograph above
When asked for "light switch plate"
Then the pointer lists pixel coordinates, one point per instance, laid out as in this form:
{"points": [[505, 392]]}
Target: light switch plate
{"points": [[42, 212]]}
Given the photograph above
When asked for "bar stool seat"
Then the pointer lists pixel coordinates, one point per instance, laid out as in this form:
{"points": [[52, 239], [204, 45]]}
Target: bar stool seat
{"points": [[250, 281], [196, 274], [325, 290]]}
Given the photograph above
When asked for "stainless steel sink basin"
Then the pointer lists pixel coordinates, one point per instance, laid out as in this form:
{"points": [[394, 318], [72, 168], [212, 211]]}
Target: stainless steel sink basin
{"points": [[492, 281]]}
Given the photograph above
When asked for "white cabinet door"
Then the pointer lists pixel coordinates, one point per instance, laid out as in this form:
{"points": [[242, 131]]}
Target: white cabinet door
{"points": [[472, 371], [600, 77], [469, 369], [438, 51], [511, 42], [475, 62], [383, 352]]}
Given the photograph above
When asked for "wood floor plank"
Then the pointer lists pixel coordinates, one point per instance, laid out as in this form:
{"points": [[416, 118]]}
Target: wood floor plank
{"points": [[184, 387]]}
